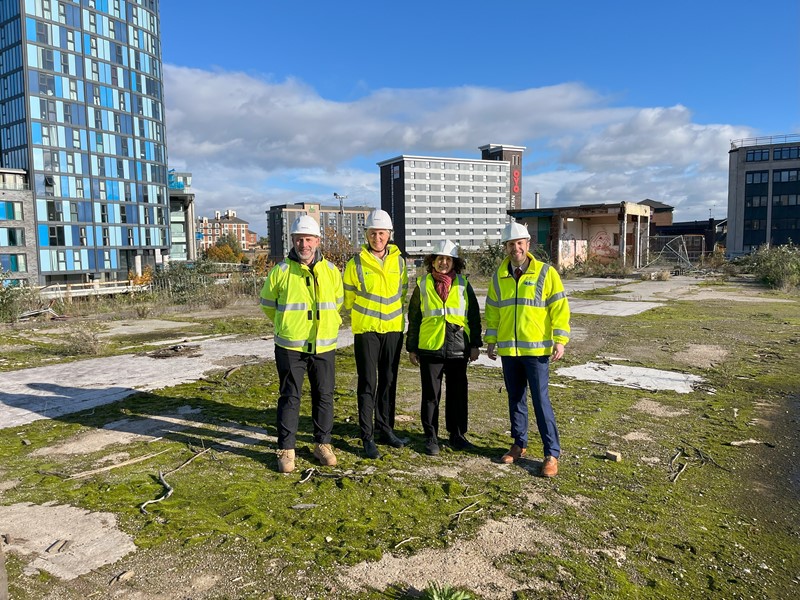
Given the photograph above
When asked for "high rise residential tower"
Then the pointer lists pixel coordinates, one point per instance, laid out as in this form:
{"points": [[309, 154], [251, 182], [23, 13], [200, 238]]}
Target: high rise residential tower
{"points": [[82, 113]]}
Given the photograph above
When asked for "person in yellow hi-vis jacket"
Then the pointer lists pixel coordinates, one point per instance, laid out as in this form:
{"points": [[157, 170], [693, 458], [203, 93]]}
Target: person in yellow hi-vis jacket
{"points": [[375, 286], [527, 324], [302, 296], [444, 334]]}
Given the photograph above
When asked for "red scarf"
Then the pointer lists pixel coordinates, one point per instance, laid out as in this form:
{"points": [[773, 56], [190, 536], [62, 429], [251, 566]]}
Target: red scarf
{"points": [[442, 283]]}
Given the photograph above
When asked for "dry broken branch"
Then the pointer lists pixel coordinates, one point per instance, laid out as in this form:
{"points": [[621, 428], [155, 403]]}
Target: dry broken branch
{"points": [[677, 474], [187, 461], [405, 541], [132, 461]]}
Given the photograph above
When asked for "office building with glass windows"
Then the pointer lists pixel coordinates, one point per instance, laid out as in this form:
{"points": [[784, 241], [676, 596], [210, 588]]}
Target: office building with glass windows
{"points": [[82, 114], [463, 200], [763, 193]]}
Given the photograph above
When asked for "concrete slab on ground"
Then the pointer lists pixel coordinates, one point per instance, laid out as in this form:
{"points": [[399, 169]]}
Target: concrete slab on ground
{"points": [[48, 392]]}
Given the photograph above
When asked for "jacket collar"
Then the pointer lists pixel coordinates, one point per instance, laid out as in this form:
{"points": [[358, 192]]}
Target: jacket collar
{"points": [[317, 257]]}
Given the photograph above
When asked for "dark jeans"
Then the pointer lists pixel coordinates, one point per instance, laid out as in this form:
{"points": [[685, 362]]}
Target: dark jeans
{"points": [[521, 372], [431, 372], [292, 367], [377, 359]]}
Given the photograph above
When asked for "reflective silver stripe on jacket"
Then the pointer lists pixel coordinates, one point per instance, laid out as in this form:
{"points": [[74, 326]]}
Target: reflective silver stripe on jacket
{"points": [[293, 306], [491, 332], [282, 341], [556, 298], [529, 345], [330, 342], [327, 306], [561, 332], [362, 293], [459, 311], [536, 301], [378, 315], [268, 303]]}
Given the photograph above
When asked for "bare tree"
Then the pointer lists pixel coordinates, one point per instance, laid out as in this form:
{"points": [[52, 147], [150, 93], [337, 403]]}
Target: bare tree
{"points": [[336, 247]]}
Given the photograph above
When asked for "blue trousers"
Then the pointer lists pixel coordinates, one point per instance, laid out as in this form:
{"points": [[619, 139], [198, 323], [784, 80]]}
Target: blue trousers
{"points": [[520, 373]]}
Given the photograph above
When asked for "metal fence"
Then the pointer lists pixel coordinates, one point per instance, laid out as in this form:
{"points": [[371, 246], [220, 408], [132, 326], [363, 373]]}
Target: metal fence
{"points": [[676, 252]]}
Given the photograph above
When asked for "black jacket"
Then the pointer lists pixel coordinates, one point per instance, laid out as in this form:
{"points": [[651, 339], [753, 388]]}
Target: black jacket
{"points": [[456, 342]]}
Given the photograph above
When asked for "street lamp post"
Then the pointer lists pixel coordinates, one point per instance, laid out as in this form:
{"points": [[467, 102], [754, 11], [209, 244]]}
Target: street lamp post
{"points": [[341, 200]]}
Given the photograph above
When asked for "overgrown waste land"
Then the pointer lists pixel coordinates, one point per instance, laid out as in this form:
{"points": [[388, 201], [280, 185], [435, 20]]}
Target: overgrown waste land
{"points": [[702, 504]]}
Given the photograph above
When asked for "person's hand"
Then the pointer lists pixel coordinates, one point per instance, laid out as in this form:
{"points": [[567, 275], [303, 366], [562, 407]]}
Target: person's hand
{"points": [[491, 351], [558, 352], [474, 353], [412, 356]]}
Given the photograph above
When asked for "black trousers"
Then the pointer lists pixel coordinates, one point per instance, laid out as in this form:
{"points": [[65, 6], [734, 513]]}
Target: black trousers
{"points": [[377, 360], [456, 408], [292, 367]]}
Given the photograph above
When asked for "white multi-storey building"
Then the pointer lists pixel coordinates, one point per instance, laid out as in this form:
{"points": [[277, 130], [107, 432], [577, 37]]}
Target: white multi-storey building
{"points": [[463, 200]]}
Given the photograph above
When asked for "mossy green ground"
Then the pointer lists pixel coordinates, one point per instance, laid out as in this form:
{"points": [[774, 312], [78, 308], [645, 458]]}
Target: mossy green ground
{"points": [[727, 527]]}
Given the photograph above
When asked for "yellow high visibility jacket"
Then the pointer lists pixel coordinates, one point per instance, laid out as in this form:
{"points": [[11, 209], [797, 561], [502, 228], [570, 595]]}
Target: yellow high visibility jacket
{"points": [[436, 314], [376, 292], [304, 305], [526, 317]]}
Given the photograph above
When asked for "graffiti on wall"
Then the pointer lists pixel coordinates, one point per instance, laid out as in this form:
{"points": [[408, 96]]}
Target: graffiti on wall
{"points": [[601, 245], [572, 251]]}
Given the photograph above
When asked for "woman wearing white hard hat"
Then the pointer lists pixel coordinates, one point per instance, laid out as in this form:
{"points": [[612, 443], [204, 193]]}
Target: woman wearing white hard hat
{"points": [[444, 334]]}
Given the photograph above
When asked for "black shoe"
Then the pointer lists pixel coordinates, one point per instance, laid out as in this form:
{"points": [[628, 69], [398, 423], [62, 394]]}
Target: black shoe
{"points": [[461, 443], [392, 440], [431, 446], [370, 449]]}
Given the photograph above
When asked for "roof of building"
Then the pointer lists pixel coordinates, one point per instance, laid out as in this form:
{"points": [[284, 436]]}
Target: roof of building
{"points": [[656, 204], [225, 219], [609, 208], [403, 157]]}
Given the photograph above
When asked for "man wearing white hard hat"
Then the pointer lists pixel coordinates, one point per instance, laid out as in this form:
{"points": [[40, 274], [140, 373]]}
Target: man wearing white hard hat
{"points": [[444, 334], [302, 296], [375, 287], [527, 325]]}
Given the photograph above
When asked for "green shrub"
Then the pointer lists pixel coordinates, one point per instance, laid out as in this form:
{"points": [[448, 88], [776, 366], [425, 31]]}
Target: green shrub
{"points": [[776, 266], [15, 300]]}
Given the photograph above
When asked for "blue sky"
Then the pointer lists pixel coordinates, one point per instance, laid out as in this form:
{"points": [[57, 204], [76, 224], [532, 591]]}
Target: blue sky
{"points": [[281, 102]]}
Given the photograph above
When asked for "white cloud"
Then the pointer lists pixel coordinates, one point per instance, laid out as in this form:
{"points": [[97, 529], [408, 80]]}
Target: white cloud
{"points": [[251, 142]]}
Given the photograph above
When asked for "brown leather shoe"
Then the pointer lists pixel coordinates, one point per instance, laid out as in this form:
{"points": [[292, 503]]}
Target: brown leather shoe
{"points": [[550, 466], [515, 453]]}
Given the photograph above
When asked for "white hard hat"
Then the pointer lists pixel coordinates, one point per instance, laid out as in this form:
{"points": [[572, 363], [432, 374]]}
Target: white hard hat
{"points": [[379, 219], [446, 248], [515, 231], [305, 225]]}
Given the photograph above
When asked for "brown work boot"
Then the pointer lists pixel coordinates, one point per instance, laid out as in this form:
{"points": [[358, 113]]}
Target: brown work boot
{"points": [[550, 466], [324, 454], [515, 453], [286, 460]]}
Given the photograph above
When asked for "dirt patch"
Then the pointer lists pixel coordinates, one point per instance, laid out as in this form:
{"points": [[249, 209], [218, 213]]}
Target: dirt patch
{"points": [[470, 564], [701, 355], [656, 409], [66, 541], [637, 436], [141, 326]]}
